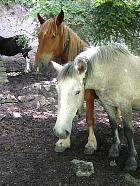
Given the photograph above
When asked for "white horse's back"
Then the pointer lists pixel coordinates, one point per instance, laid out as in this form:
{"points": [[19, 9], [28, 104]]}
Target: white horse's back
{"points": [[115, 73]]}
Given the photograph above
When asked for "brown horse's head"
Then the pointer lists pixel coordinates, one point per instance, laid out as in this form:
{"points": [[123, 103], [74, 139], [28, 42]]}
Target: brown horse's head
{"points": [[50, 40]]}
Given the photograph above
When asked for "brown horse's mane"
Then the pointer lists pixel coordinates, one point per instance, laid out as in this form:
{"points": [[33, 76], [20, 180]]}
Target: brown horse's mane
{"points": [[48, 26], [72, 44]]}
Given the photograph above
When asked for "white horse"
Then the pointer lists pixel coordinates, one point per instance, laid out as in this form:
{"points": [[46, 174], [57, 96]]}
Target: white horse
{"points": [[114, 73]]}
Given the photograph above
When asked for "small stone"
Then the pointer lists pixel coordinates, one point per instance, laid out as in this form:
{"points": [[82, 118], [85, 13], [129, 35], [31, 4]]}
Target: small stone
{"points": [[41, 102], [25, 99], [22, 98], [131, 181], [46, 87], [8, 99], [16, 115], [83, 168], [7, 147], [113, 163], [2, 116]]}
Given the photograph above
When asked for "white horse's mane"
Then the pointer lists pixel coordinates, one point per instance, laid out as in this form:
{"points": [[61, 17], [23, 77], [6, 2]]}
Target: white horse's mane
{"points": [[105, 53], [102, 53]]}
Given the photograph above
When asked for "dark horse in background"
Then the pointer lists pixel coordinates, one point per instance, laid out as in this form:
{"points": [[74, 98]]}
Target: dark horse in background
{"points": [[57, 40], [14, 45]]}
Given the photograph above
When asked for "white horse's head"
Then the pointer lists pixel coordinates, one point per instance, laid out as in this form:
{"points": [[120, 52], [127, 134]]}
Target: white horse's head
{"points": [[70, 89]]}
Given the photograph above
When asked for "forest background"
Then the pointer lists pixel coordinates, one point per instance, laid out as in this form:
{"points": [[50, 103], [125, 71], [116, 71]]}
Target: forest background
{"points": [[95, 21]]}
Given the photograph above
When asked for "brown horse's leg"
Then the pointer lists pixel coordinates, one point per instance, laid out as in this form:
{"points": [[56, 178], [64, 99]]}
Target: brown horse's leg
{"points": [[91, 146]]}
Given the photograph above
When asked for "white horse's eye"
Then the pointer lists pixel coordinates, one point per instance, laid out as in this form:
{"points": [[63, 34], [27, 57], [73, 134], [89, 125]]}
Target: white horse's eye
{"points": [[77, 92]]}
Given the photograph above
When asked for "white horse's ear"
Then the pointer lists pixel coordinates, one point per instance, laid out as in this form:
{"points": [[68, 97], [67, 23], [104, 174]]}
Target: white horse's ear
{"points": [[56, 66], [81, 67]]}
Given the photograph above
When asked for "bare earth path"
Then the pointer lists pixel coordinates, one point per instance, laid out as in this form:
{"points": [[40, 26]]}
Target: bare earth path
{"points": [[27, 141]]}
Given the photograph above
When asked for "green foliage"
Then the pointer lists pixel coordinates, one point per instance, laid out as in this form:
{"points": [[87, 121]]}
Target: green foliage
{"points": [[98, 21], [95, 21], [112, 20], [116, 22], [22, 40], [7, 3]]}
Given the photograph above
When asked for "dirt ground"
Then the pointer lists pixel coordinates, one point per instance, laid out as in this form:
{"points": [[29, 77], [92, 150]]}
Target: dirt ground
{"points": [[27, 141]]}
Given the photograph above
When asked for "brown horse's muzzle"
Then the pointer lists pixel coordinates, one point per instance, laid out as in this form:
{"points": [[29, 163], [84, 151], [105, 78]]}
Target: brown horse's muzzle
{"points": [[42, 64], [41, 67]]}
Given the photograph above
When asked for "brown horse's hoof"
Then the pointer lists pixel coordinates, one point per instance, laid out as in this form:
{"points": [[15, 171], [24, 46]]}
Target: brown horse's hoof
{"points": [[89, 150], [90, 147]]}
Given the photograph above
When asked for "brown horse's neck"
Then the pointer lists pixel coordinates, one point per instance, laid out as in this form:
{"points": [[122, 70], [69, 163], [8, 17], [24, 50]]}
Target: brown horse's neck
{"points": [[72, 45]]}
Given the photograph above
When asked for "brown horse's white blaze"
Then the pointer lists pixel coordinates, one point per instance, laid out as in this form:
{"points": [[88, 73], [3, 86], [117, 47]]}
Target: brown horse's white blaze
{"points": [[57, 40]]}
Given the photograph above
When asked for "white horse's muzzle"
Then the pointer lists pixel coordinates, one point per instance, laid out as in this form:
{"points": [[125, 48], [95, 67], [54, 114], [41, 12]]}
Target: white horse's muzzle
{"points": [[62, 132]]}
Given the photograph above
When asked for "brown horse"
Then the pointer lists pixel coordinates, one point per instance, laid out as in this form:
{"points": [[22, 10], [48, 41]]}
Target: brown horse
{"points": [[57, 40]]}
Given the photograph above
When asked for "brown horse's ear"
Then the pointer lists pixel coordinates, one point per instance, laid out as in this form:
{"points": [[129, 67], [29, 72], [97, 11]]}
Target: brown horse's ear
{"points": [[41, 19], [60, 18]]}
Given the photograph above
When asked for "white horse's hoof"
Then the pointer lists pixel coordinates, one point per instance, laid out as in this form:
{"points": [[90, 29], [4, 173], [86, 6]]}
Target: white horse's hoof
{"points": [[62, 145], [59, 149]]}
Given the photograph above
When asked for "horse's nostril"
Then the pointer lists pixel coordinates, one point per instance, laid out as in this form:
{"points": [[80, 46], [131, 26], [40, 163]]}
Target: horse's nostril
{"points": [[60, 133], [67, 133]]}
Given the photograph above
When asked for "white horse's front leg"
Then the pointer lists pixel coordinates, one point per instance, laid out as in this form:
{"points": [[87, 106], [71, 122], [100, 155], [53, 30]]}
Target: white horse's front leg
{"points": [[27, 65], [91, 145], [62, 144]]}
